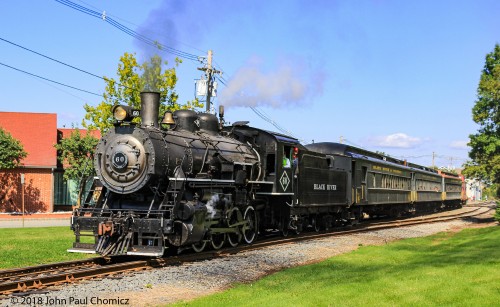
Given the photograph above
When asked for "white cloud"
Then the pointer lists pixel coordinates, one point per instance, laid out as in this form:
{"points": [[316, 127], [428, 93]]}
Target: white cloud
{"points": [[459, 144], [396, 140]]}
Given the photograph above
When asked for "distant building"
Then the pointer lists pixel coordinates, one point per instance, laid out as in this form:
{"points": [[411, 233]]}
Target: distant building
{"points": [[45, 190], [474, 189]]}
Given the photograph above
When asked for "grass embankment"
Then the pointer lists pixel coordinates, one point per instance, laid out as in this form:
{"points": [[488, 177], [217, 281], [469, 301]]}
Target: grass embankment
{"points": [[21, 247], [444, 269]]}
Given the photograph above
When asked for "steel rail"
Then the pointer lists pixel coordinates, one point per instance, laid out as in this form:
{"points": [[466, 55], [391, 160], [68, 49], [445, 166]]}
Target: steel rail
{"points": [[44, 281], [19, 272]]}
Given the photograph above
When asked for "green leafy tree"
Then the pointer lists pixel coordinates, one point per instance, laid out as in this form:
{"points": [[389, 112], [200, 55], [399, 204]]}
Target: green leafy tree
{"points": [[11, 151], [485, 144], [77, 155], [497, 212], [132, 79]]}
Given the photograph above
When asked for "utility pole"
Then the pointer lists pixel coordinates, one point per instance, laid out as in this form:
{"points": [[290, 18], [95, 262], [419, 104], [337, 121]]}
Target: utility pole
{"points": [[433, 156], [22, 195], [209, 73]]}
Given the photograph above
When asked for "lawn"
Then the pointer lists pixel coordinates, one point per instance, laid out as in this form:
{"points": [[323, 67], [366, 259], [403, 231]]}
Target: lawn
{"points": [[447, 269], [20, 247]]}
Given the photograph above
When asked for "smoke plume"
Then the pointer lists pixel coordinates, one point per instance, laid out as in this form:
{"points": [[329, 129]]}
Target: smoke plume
{"points": [[170, 24], [290, 83]]}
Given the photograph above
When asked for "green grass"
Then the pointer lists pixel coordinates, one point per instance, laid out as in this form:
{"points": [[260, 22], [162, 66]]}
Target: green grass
{"points": [[20, 247], [447, 269]]}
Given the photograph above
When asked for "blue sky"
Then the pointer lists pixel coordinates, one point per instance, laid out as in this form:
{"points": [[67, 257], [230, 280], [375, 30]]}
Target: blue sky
{"points": [[394, 76]]}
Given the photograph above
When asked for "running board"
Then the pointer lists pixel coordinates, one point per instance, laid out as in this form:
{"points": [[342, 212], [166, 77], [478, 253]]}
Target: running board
{"points": [[149, 251], [81, 250], [149, 254]]}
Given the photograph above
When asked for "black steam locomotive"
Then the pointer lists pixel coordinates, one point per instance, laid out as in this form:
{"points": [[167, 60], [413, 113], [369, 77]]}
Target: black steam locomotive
{"points": [[190, 181]]}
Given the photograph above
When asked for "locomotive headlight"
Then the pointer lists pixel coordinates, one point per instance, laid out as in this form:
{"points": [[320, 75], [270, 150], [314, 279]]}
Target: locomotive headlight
{"points": [[119, 113], [124, 113]]}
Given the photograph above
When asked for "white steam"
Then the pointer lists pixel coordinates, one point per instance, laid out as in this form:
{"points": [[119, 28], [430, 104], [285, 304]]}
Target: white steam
{"points": [[211, 205], [291, 83]]}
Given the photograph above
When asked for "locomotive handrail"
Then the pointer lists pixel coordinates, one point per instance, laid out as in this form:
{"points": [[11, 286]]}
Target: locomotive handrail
{"points": [[155, 213], [258, 160]]}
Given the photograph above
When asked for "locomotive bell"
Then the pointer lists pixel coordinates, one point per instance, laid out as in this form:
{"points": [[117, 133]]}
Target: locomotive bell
{"points": [[168, 119]]}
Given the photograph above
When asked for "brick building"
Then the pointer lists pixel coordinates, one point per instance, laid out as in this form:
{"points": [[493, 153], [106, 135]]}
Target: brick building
{"points": [[44, 187]]}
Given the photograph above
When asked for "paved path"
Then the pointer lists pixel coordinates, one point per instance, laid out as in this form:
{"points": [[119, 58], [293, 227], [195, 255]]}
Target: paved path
{"points": [[35, 220]]}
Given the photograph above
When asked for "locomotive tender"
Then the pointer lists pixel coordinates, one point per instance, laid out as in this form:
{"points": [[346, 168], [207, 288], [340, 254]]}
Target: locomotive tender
{"points": [[189, 181]]}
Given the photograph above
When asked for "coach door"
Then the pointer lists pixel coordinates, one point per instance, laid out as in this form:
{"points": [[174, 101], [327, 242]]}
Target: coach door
{"points": [[413, 188], [359, 177], [364, 190]]}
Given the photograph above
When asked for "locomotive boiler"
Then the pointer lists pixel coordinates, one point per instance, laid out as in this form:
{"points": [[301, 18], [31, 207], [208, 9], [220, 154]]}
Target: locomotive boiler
{"points": [[191, 181]]}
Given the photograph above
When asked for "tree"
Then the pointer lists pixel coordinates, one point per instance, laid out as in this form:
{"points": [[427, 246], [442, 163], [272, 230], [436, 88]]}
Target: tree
{"points": [[485, 144], [77, 155], [132, 79], [11, 151]]}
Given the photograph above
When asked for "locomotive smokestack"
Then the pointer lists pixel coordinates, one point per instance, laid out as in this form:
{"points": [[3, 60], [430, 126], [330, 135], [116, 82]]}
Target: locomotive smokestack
{"points": [[150, 108]]}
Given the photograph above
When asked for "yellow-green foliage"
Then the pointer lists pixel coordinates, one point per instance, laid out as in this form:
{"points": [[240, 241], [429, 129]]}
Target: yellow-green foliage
{"points": [[132, 79]]}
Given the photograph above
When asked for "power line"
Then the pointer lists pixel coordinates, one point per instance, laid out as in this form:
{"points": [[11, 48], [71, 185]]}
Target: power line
{"points": [[65, 64], [138, 26], [46, 79], [435, 155], [128, 31], [354, 144], [265, 117], [52, 59]]}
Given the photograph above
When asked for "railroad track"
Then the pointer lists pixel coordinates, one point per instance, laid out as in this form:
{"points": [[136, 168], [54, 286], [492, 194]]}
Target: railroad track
{"points": [[39, 277], [360, 228], [36, 278], [24, 280]]}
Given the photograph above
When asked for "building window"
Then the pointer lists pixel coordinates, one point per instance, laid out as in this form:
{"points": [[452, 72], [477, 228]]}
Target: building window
{"points": [[65, 191]]}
